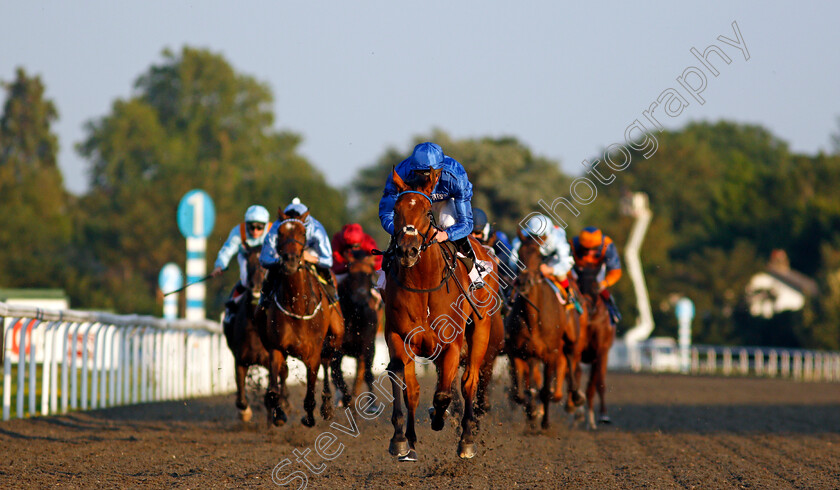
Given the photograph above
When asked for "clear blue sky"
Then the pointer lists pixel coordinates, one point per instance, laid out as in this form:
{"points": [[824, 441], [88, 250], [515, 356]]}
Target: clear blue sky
{"points": [[356, 77]]}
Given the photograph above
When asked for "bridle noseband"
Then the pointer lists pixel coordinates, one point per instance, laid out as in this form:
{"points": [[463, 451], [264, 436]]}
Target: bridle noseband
{"points": [[411, 230]]}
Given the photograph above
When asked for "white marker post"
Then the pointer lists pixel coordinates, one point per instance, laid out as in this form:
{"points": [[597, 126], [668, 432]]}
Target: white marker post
{"points": [[170, 279], [685, 313], [196, 217]]}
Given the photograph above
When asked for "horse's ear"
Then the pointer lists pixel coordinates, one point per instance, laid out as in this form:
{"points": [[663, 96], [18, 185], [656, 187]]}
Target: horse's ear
{"points": [[304, 216], [520, 235], [281, 215], [398, 181], [434, 176]]}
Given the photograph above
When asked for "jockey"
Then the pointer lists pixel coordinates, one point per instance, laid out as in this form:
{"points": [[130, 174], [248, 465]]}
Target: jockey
{"points": [[557, 259], [594, 250], [243, 237], [351, 238], [317, 251], [451, 202], [488, 237]]}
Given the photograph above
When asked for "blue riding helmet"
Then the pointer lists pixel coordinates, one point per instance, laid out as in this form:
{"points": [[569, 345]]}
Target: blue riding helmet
{"points": [[427, 156]]}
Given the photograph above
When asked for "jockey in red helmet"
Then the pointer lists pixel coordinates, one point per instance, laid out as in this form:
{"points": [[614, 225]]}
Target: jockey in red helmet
{"points": [[351, 237]]}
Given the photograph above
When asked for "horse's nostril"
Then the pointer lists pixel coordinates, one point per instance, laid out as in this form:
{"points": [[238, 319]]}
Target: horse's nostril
{"points": [[413, 252]]}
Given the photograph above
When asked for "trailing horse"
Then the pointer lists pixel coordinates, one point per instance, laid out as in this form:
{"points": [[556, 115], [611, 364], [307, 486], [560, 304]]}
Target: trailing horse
{"points": [[361, 321], [540, 331], [298, 320], [427, 307], [242, 336], [597, 340]]}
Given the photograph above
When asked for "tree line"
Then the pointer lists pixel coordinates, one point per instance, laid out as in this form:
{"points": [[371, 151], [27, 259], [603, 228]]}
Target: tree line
{"points": [[724, 195]]}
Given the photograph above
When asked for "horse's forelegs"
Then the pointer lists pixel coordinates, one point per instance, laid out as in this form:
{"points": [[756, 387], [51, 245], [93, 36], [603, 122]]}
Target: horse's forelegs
{"points": [[601, 386], [412, 398], [549, 372], [326, 394], [241, 400], [576, 397], [309, 401], [399, 444], [273, 394], [518, 372], [447, 368], [284, 389], [361, 374], [338, 379]]}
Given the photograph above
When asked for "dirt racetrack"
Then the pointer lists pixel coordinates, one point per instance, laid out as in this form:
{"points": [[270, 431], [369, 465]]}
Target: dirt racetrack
{"points": [[669, 431]]}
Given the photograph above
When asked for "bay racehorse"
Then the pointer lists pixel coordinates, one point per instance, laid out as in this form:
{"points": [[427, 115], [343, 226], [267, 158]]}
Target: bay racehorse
{"points": [[541, 331], [426, 311], [361, 322], [598, 339], [243, 338], [298, 320]]}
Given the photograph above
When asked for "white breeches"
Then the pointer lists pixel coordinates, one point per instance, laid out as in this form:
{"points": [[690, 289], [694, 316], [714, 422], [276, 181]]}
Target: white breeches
{"points": [[445, 213]]}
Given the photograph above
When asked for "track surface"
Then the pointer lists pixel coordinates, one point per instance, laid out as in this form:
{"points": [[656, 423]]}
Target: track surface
{"points": [[669, 432]]}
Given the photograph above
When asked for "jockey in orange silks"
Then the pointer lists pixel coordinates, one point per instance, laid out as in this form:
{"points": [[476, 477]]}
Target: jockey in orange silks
{"points": [[594, 250]]}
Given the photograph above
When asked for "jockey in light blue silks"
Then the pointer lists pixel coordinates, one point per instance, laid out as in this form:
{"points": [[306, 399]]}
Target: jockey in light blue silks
{"points": [[556, 253], [243, 237], [317, 251], [451, 203]]}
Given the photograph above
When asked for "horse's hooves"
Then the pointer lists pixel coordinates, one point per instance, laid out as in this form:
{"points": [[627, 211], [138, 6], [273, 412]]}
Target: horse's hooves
{"points": [[437, 422], [466, 451], [308, 420], [578, 398], [398, 448], [605, 419], [245, 415], [284, 404], [411, 457], [326, 412], [279, 418]]}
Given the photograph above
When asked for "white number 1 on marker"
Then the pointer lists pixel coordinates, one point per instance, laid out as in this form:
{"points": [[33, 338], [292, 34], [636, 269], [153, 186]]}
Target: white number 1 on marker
{"points": [[197, 202]]}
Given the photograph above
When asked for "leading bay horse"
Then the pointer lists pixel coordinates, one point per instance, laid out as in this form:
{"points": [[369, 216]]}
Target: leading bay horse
{"points": [[243, 337], [298, 321], [598, 340], [426, 311], [541, 331]]}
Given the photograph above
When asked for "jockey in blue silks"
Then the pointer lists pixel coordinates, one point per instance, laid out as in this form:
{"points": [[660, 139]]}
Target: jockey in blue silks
{"points": [[317, 251], [451, 201], [242, 238]]}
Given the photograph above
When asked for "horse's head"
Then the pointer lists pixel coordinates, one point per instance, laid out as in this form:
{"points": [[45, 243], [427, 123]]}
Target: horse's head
{"points": [[588, 281], [413, 215], [256, 273], [531, 258], [360, 268], [291, 241]]}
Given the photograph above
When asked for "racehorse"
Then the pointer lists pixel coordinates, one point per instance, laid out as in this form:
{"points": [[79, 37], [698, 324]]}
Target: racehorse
{"points": [[298, 321], [242, 336], [598, 339], [361, 321], [541, 331], [427, 307]]}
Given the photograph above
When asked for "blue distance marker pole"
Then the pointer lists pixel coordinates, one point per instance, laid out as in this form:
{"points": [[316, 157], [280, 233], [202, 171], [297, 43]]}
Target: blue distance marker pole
{"points": [[685, 313], [170, 279], [196, 217]]}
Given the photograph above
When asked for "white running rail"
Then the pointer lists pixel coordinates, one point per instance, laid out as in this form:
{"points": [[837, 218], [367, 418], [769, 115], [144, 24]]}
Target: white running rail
{"points": [[75, 360]]}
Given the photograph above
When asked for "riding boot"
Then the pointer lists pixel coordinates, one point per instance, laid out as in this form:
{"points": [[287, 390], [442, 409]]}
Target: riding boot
{"points": [[329, 282], [476, 267], [615, 315]]}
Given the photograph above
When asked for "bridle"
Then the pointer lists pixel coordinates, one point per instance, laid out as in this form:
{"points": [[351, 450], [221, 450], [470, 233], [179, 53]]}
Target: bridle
{"points": [[290, 240], [411, 230]]}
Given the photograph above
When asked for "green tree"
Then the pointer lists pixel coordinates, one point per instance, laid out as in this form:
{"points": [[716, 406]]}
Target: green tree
{"points": [[193, 123], [34, 225]]}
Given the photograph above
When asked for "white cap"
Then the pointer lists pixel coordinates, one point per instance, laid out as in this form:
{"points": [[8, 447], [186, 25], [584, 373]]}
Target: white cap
{"points": [[257, 214], [296, 206]]}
